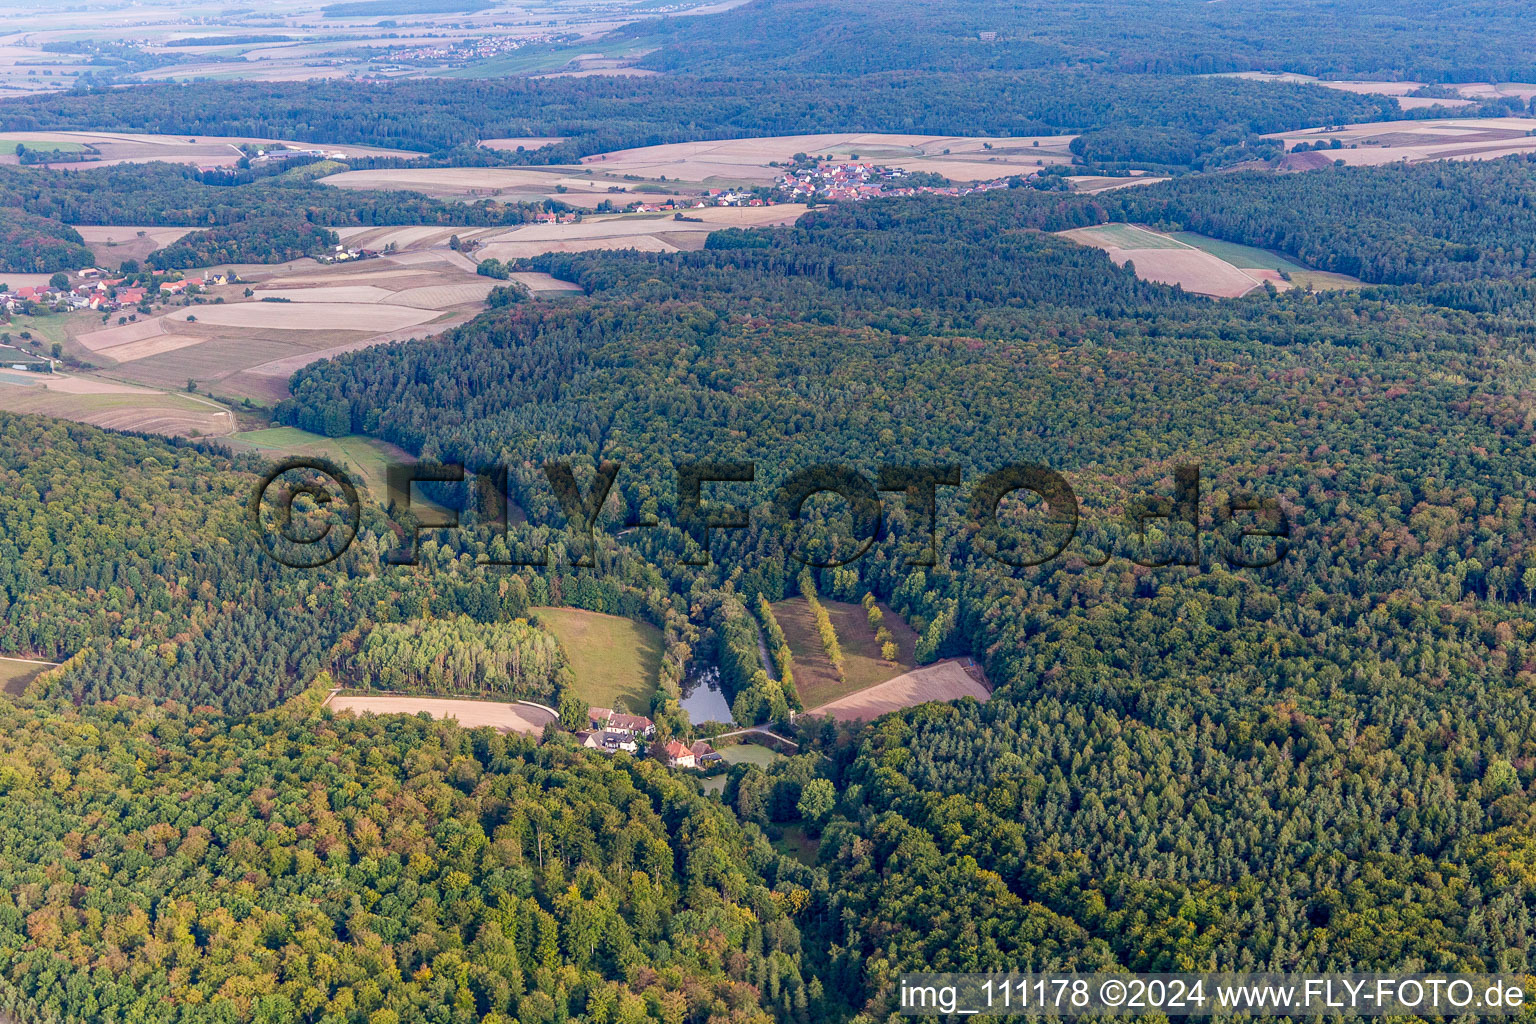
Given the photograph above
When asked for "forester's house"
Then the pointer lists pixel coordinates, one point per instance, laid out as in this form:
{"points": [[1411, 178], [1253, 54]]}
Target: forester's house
{"points": [[607, 741], [613, 721], [680, 756]]}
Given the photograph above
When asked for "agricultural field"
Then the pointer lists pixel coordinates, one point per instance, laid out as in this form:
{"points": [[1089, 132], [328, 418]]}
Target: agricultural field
{"points": [[815, 680], [16, 673], [1094, 183], [616, 661], [244, 347], [584, 188], [113, 244], [941, 681], [1205, 266], [472, 714], [646, 232], [127, 148], [1385, 142], [745, 161], [301, 40], [1469, 92], [367, 456], [111, 404]]}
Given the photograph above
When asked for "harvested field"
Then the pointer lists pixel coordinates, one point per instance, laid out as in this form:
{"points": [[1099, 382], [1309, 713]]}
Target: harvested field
{"points": [[135, 350], [108, 337], [470, 181], [1473, 138], [631, 231], [309, 316], [327, 293], [148, 411], [111, 245], [68, 384], [1094, 183], [442, 296], [1190, 269], [471, 714], [1166, 260], [526, 143], [536, 281], [944, 680], [1206, 266]]}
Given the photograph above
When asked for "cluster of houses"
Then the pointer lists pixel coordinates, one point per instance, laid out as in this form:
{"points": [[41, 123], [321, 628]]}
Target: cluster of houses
{"points": [[556, 218], [855, 181], [479, 48], [612, 731], [717, 197], [100, 293], [95, 291], [342, 254]]}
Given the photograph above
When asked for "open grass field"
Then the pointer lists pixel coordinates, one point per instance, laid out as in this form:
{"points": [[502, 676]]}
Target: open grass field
{"points": [[616, 661], [1244, 257], [943, 680], [749, 753], [794, 841], [59, 144], [1383, 142], [815, 679], [1128, 236], [16, 673], [471, 714], [367, 456]]}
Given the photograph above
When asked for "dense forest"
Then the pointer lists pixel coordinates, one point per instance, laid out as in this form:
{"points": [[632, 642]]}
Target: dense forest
{"points": [[383, 871], [39, 245], [1282, 721], [1485, 41], [252, 240], [176, 194], [1186, 767], [460, 655]]}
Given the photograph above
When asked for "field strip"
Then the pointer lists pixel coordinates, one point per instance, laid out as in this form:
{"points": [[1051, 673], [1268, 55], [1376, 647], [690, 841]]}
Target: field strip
{"points": [[287, 365], [469, 713], [941, 681]]}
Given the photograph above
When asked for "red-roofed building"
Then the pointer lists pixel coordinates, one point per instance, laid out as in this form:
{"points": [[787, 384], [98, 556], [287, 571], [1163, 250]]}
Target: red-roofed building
{"points": [[680, 756]]}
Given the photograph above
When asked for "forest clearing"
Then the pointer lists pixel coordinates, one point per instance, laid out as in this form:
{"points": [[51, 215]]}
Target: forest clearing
{"points": [[616, 661], [941, 681]]}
